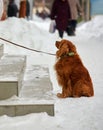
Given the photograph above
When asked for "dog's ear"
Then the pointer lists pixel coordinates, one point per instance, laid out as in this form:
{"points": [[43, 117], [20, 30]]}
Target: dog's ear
{"points": [[57, 44]]}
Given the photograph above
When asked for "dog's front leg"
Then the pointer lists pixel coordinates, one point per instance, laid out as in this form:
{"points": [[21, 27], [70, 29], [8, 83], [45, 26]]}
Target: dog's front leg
{"points": [[64, 93], [66, 90]]}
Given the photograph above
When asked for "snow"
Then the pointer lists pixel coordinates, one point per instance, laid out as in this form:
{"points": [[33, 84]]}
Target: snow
{"points": [[70, 113]]}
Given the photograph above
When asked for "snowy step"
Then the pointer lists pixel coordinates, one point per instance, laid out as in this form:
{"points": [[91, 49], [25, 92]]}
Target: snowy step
{"points": [[1, 50], [35, 95], [11, 75], [37, 83], [16, 108]]}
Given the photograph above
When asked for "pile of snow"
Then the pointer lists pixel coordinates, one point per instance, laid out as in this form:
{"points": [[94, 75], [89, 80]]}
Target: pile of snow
{"points": [[26, 33], [93, 28]]}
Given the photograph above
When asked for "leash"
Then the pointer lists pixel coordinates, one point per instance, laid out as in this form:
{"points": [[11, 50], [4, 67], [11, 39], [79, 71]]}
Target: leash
{"points": [[26, 47]]}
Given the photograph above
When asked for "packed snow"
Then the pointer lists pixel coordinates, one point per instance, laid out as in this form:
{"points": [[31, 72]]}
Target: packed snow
{"points": [[70, 113]]}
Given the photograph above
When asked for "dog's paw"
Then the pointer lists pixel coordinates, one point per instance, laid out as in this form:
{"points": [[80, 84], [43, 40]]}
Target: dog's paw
{"points": [[60, 95]]}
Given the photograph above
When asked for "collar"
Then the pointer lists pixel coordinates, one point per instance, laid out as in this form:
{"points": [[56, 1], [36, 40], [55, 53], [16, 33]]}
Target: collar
{"points": [[69, 54]]}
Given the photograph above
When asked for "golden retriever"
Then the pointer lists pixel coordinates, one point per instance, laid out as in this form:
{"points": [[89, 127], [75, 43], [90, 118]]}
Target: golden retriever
{"points": [[72, 75]]}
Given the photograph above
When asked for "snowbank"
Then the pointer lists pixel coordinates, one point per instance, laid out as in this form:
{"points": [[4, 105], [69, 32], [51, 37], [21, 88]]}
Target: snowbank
{"points": [[93, 28]]}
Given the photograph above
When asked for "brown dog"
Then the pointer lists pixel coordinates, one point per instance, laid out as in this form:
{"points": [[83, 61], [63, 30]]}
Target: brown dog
{"points": [[71, 73]]}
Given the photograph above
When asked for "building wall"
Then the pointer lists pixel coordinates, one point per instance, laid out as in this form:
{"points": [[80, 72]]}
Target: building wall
{"points": [[96, 7]]}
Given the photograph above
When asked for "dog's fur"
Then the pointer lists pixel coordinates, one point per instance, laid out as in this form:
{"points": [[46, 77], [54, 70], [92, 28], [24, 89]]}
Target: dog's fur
{"points": [[71, 73]]}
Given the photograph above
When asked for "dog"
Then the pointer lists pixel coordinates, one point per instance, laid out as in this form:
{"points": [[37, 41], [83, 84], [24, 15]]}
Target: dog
{"points": [[72, 75]]}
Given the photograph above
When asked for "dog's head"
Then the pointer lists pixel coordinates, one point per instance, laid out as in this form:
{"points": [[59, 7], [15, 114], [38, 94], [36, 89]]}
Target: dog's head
{"points": [[65, 47]]}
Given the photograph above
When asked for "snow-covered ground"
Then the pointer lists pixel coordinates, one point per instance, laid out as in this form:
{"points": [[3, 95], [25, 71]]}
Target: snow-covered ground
{"points": [[70, 114]]}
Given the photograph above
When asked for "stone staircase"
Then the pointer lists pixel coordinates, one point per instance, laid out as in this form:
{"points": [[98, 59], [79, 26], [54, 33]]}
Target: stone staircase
{"points": [[1, 50], [11, 75], [19, 96]]}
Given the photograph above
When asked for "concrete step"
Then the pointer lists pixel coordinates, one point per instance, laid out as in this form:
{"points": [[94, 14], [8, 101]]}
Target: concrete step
{"points": [[35, 95], [11, 74], [16, 108], [1, 50], [37, 83]]}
